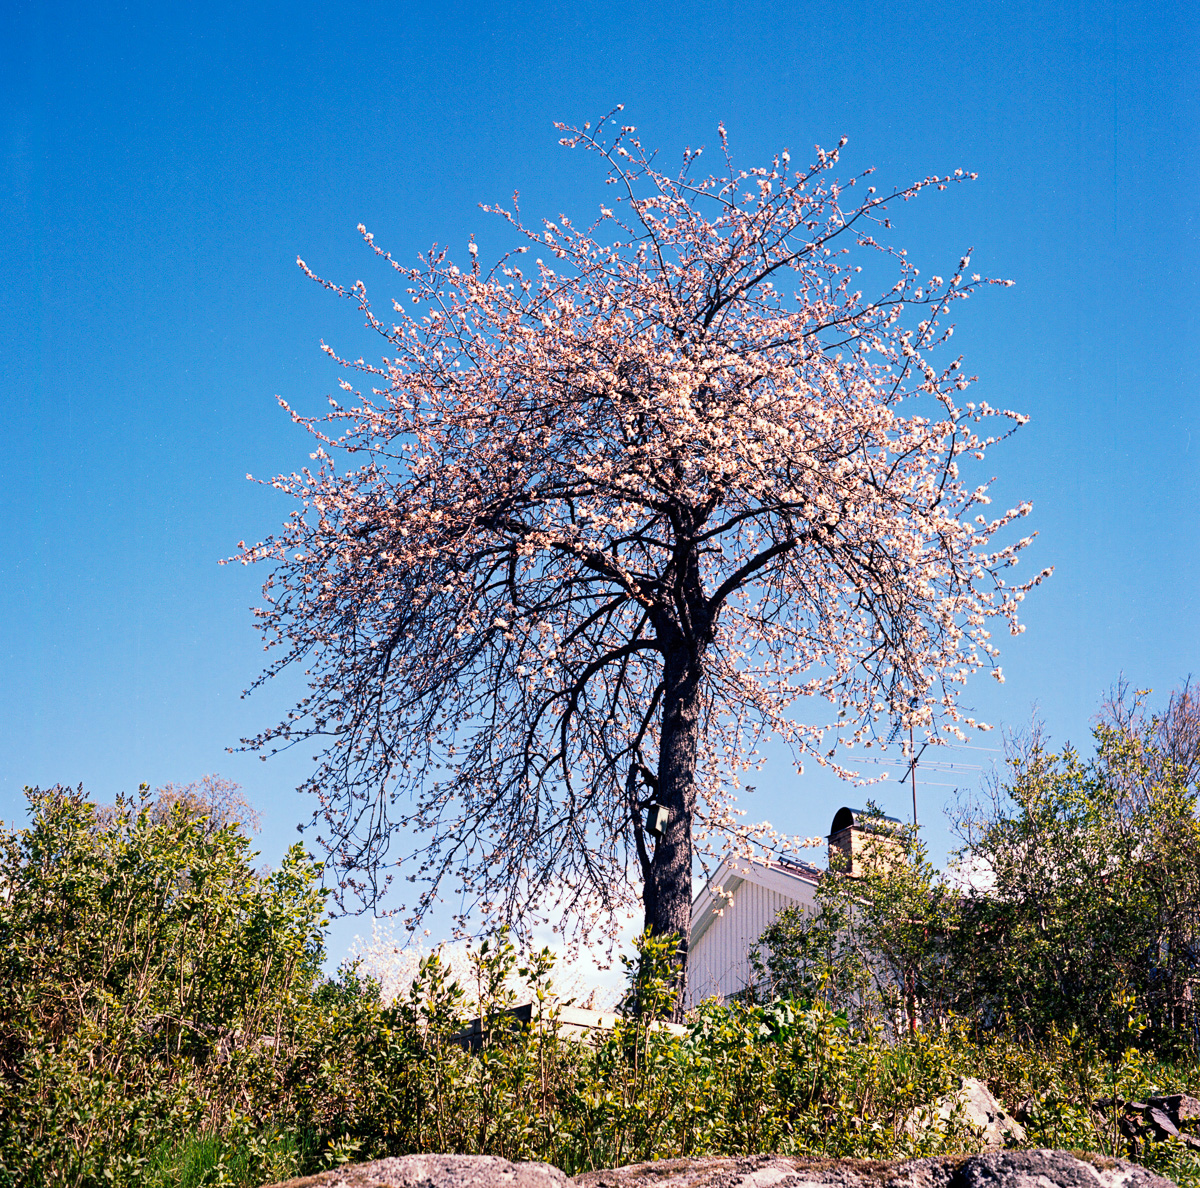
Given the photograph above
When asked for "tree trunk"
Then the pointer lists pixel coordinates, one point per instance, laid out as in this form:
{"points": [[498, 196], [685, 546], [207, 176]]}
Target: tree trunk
{"points": [[667, 894]]}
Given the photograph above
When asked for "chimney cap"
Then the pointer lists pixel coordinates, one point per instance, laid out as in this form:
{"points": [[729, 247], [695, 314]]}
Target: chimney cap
{"points": [[846, 818]]}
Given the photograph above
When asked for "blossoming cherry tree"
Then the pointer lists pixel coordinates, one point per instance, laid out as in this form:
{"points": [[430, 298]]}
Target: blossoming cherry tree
{"points": [[607, 514]]}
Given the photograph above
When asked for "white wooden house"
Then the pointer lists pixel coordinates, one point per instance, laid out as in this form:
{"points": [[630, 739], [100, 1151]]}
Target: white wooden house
{"points": [[738, 903], [744, 896]]}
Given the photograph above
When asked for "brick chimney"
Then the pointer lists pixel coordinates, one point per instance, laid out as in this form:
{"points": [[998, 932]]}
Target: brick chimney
{"points": [[859, 840]]}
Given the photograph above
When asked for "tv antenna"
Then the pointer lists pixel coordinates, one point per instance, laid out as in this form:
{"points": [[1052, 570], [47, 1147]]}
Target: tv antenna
{"points": [[914, 754]]}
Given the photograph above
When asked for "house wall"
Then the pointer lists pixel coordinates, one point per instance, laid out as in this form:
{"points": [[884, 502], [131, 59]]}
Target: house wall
{"points": [[719, 958]]}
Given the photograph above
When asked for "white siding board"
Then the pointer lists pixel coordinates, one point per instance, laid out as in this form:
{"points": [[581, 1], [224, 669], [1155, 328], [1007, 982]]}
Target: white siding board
{"points": [[719, 957]]}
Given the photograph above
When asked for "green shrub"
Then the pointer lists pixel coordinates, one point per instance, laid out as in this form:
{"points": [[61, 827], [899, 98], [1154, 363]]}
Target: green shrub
{"points": [[1094, 866], [1090, 902], [149, 983]]}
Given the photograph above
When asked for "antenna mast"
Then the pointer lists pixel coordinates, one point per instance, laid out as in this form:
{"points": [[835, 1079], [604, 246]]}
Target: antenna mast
{"points": [[912, 771]]}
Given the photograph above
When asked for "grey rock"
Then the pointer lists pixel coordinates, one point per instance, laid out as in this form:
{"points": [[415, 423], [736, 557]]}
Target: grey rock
{"points": [[1060, 1169], [436, 1171], [992, 1169], [972, 1102], [1153, 1120], [1162, 1123], [1179, 1107], [770, 1171]]}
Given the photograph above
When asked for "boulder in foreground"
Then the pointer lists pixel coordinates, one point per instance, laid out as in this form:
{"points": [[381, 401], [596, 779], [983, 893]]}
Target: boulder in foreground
{"points": [[993, 1169], [436, 1171]]}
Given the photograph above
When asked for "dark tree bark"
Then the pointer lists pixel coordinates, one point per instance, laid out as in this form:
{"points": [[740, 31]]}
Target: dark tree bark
{"points": [[667, 891], [684, 630]]}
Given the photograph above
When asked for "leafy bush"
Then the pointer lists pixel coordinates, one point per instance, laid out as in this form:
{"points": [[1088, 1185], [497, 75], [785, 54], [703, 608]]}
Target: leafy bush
{"points": [[149, 982], [162, 1022], [738, 1079], [1093, 897], [1083, 903], [877, 946]]}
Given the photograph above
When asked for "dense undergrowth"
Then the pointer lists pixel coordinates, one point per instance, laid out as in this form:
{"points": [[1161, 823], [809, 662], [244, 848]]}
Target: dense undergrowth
{"points": [[151, 1069], [355, 1079], [164, 1020]]}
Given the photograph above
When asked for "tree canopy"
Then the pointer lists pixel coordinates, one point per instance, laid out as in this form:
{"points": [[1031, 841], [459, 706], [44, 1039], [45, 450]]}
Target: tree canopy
{"points": [[604, 513], [1074, 902]]}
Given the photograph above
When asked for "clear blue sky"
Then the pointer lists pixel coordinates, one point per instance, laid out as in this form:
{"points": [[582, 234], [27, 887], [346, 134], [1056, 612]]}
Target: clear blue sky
{"points": [[163, 165]]}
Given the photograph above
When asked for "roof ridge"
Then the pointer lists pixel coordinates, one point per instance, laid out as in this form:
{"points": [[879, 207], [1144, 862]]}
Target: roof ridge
{"points": [[798, 864]]}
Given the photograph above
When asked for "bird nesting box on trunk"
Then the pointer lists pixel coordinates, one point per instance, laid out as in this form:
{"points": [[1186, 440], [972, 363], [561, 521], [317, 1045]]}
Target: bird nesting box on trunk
{"points": [[861, 840]]}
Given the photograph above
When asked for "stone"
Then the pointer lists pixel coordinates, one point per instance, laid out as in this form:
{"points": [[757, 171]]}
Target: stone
{"points": [[1153, 1120], [991, 1169], [762, 1171], [1179, 1107], [1061, 1169], [973, 1103], [436, 1171]]}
